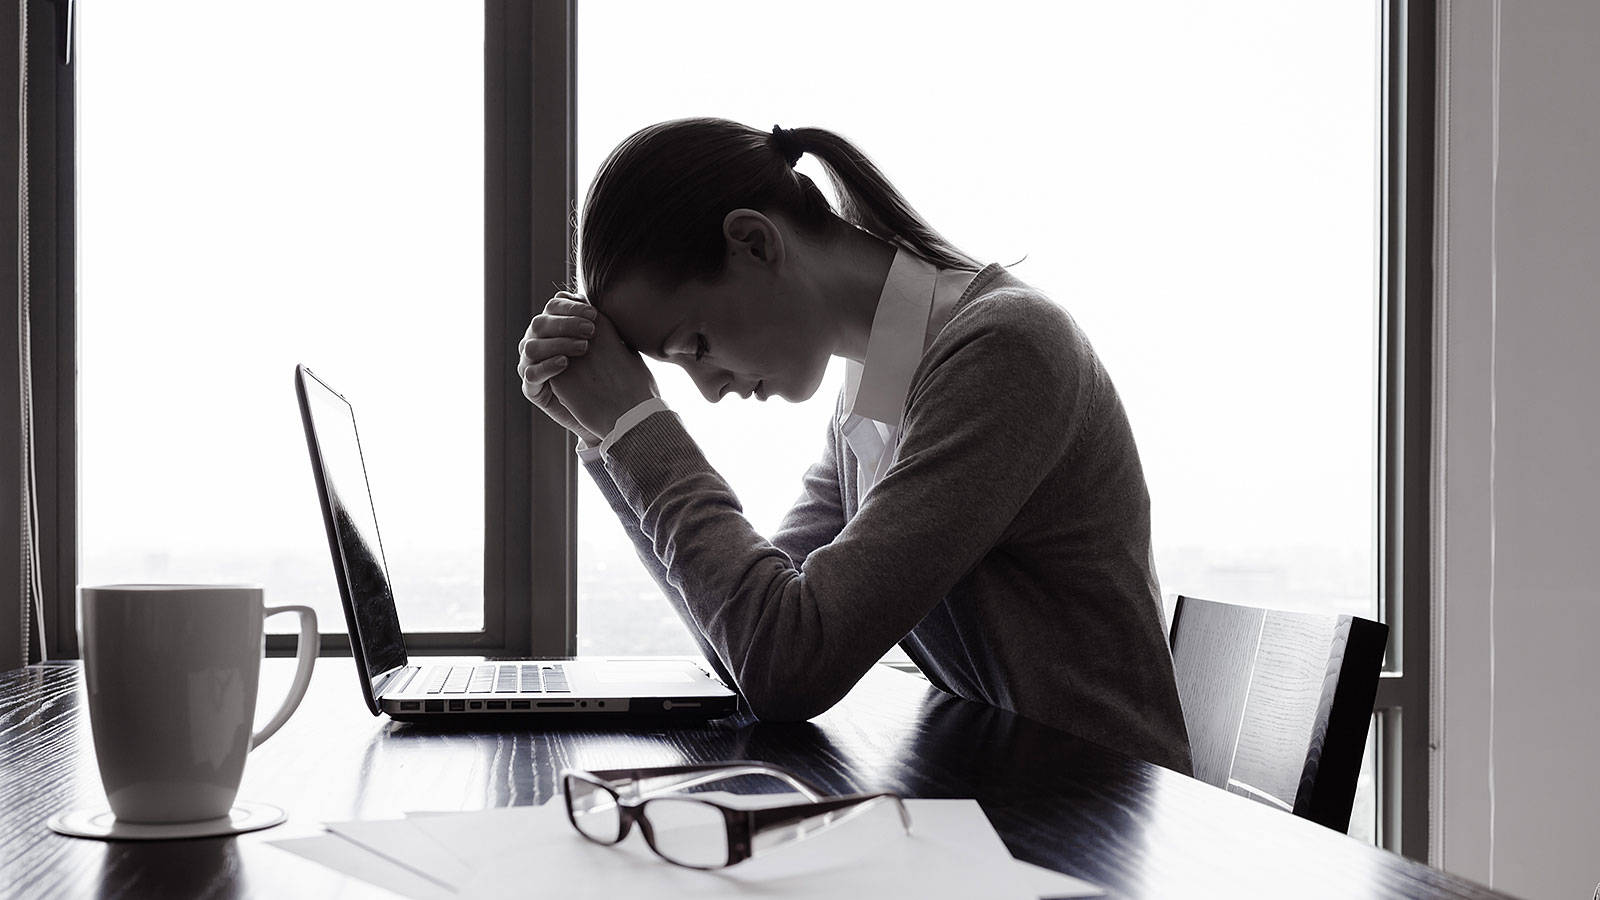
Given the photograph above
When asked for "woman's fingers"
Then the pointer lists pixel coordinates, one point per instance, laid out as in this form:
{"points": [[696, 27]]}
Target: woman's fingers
{"points": [[543, 359], [559, 333], [563, 330], [541, 349], [536, 378], [545, 325], [564, 303]]}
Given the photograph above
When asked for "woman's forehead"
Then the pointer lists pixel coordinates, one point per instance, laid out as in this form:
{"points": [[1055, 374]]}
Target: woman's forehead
{"points": [[645, 315]]}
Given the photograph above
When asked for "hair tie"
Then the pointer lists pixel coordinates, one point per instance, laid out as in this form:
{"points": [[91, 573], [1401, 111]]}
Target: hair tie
{"points": [[788, 144]]}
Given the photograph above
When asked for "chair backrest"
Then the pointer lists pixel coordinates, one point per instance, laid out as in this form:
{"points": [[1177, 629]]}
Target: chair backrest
{"points": [[1277, 703]]}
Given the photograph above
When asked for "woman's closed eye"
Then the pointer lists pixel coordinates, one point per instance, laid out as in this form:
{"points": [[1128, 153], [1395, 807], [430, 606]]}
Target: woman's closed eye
{"points": [[701, 348]]}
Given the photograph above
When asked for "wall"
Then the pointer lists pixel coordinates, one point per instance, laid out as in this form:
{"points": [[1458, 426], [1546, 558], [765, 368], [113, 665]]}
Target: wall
{"points": [[1517, 532]]}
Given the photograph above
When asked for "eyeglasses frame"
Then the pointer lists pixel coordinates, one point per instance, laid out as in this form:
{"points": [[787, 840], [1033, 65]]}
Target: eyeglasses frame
{"points": [[743, 825]]}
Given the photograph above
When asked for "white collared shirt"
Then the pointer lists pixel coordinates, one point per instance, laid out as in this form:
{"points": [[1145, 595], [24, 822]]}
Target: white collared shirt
{"points": [[918, 298]]}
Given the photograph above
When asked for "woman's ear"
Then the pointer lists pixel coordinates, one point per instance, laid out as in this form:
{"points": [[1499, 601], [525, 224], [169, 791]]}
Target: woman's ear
{"points": [[753, 238]]}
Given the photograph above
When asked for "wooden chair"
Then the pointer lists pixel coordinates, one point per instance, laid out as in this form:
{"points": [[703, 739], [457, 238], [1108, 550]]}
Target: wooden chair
{"points": [[1277, 703]]}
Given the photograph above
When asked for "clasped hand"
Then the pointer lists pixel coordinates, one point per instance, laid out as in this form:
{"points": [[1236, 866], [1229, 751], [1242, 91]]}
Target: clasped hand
{"points": [[575, 367]]}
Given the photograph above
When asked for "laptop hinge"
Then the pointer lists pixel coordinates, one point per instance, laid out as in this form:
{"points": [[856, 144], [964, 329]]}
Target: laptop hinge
{"points": [[381, 681]]}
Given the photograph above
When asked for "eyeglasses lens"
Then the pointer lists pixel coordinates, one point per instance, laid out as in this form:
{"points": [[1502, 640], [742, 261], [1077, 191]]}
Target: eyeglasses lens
{"points": [[688, 832], [594, 810]]}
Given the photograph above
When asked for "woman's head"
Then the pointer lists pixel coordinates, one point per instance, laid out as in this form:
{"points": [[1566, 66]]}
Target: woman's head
{"points": [[701, 232]]}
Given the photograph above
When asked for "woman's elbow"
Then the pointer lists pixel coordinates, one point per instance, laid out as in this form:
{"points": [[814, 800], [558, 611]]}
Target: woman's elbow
{"points": [[784, 709], [796, 703]]}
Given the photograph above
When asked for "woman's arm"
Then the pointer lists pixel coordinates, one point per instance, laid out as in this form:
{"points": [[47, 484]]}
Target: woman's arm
{"points": [[814, 520], [817, 517], [641, 546], [993, 415]]}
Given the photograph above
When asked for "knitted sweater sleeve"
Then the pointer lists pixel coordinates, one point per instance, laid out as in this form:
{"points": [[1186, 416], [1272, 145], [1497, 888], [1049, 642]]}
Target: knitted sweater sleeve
{"points": [[818, 516], [814, 520], [990, 413], [642, 547]]}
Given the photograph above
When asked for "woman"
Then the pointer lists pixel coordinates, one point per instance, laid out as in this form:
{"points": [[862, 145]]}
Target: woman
{"points": [[980, 499]]}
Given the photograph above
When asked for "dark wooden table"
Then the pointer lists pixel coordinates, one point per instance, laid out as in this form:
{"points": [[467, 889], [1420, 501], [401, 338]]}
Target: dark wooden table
{"points": [[1133, 828]]}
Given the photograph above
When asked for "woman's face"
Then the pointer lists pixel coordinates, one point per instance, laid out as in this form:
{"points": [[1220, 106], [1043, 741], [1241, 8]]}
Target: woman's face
{"points": [[757, 328], [753, 337]]}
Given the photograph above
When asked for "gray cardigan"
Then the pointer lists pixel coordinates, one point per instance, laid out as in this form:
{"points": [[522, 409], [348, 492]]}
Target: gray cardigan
{"points": [[1007, 549]]}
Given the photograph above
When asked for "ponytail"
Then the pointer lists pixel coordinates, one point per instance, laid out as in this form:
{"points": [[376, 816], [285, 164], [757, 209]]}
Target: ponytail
{"points": [[868, 200], [657, 204]]}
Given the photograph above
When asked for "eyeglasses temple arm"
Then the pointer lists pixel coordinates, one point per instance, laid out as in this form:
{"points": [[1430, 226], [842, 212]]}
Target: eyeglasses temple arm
{"points": [[779, 816], [701, 774]]}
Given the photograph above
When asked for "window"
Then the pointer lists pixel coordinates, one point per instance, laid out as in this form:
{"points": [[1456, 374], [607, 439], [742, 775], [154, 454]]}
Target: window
{"points": [[316, 197], [1213, 233], [1198, 186], [1225, 220]]}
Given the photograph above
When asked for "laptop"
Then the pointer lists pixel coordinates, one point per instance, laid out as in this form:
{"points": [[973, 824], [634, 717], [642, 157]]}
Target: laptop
{"points": [[407, 688]]}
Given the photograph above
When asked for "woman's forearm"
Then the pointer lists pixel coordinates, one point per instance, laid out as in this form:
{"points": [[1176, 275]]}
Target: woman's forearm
{"points": [[647, 556]]}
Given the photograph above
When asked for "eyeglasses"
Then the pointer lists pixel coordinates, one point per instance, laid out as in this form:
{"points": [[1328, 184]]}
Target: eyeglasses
{"points": [[699, 833]]}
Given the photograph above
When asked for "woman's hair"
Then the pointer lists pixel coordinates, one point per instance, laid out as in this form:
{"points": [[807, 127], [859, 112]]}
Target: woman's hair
{"points": [[658, 202]]}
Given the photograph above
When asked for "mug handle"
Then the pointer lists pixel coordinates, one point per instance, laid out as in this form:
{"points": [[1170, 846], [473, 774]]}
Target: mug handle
{"points": [[305, 655]]}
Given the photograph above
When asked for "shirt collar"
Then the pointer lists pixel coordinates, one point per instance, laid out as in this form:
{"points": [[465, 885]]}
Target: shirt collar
{"points": [[876, 388]]}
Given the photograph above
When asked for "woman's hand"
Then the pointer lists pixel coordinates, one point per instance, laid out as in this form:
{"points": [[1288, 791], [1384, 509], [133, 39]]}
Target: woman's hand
{"points": [[604, 382], [562, 331]]}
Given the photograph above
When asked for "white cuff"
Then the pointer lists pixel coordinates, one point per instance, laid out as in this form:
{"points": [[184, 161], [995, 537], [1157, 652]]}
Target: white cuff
{"points": [[631, 418], [587, 453]]}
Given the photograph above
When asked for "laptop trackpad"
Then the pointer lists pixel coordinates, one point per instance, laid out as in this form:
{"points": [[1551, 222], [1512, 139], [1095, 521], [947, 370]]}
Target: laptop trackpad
{"points": [[617, 672]]}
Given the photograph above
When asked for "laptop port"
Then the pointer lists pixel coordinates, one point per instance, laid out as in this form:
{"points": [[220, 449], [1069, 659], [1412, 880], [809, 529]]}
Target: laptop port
{"points": [[477, 704], [458, 706], [434, 706], [556, 704], [410, 705], [497, 704], [521, 704]]}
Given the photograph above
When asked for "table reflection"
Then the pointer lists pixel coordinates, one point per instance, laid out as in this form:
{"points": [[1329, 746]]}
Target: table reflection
{"points": [[202, 867]]}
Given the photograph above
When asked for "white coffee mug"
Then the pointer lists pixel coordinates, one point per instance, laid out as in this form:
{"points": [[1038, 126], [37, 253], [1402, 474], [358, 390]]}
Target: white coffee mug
{"points": [[171, 672]]}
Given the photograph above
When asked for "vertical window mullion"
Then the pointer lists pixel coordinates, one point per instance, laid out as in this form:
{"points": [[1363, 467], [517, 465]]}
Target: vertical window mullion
{"points": [[1406, 437], [530, 551], [53, 325], [13, 653], [1417, 383]]}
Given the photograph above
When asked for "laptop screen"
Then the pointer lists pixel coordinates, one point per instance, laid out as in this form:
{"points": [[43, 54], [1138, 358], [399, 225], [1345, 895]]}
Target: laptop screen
{"points": [[353, 526]]}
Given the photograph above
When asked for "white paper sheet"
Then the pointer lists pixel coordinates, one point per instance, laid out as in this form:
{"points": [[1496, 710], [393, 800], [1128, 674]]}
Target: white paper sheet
{"points": [[960, 823], [358, 862], [953, 852], [402, 841], [957, 822], [539, 846]]}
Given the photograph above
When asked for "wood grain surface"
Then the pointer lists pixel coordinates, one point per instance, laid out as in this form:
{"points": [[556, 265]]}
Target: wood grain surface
{"points": [[1133, 828]]}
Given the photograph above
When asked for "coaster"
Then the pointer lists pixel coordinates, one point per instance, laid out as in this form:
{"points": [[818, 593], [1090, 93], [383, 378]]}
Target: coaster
{"points": [[102, 824]]}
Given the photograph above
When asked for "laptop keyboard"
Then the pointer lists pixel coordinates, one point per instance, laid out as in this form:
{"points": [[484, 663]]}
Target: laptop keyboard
{"points": [[503, 678]]}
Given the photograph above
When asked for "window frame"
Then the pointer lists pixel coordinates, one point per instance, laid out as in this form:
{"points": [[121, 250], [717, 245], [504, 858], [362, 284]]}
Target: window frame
{"points": [[529, 246], [13, 647], [1405, 421], [530, 174], [1407, 83], [51, 235], [529, 191]]}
